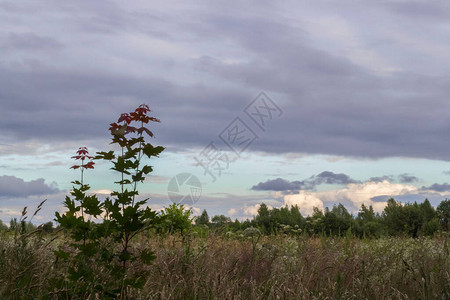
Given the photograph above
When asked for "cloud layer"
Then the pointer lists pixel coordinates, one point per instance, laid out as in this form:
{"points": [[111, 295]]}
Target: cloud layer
{"points": [[13, 187], [346, 86]]}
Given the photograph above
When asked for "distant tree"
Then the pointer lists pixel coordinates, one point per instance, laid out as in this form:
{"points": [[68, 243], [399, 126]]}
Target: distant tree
{"points": [[176, 219], [410, 219], [203, 219], [3, 226], [427, 211], [21, 226], [296, 216], [220, 220], [395, 218], [367, 223], [314, 223], [48, 227], [235, 226], [443, 214], [263, 219], [430, 221], [337, 221], [14, 224], [286, 215]]}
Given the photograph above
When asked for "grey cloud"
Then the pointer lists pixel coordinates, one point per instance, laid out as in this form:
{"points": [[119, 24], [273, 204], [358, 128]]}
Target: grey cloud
{"points": [[13, 187], [278, 184], [402, 178], [222, 57], [382, 178], [310, 183], [420, 9], [28, 41], [438, 187], [328, 177], [406, 178]]}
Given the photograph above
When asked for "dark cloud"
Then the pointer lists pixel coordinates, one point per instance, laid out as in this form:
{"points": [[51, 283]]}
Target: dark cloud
{"points": [[406, 178], [328, 177], [28, 42], [437, 187], [13, 187], [278, 184], [402, 178], [199, 66], [420, 9], [325, 177], [382, 178]]}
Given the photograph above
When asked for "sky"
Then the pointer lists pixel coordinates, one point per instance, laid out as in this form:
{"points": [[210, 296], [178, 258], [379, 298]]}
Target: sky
{"points": [[308, 103]]}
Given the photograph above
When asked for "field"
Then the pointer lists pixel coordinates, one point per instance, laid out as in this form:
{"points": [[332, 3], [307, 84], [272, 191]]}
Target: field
{"points": [[205, 265]]}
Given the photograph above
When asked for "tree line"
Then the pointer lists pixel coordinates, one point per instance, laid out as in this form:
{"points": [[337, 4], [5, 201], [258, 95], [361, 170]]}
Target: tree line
{"points": [[397, 219]]}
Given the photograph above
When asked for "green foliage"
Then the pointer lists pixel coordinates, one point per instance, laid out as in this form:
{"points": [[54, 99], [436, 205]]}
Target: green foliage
{"points": [[409, 219], [176, 219], [264, 220], [367, 223], [337, 221], [119, 218], [443, 214], [220, 221], [203, 219], [3, 226], [397, 219]]}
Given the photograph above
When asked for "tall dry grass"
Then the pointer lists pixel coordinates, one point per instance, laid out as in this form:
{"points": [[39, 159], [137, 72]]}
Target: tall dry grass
{"points": [[277, 267]]}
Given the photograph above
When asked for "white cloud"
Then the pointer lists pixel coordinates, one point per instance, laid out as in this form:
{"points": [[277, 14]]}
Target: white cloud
{"points": [[8, 213], [232, 211], [356, 193], [379, 206], [253, 209], [195, 210], [362, 193], [305, 200], [103, 192]]}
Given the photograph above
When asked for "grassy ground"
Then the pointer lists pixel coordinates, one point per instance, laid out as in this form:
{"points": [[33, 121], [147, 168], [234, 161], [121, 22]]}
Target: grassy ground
{"points": [[275, 267]]}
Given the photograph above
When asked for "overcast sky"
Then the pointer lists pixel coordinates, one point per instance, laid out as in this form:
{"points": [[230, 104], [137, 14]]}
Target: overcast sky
{"points": [[355, 95]]}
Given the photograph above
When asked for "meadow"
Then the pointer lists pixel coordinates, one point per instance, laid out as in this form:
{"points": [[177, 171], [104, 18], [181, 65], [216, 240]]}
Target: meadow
{"points": [[207, 265], [118, 248]]}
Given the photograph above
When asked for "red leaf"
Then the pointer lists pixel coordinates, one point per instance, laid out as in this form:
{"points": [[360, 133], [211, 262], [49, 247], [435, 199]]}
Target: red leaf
{"points": [[131, 129], [89, 165], [142, 129], [114, 126], [125, 117]]}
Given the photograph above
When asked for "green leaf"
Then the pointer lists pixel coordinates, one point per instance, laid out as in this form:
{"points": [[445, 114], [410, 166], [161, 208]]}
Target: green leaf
{"points": [[138, 177], [105, 155], [92, 205], [123, 182], [77, 193], [150, 151], [70, 204], [147, 169], [147, 256], [62, 254]]}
